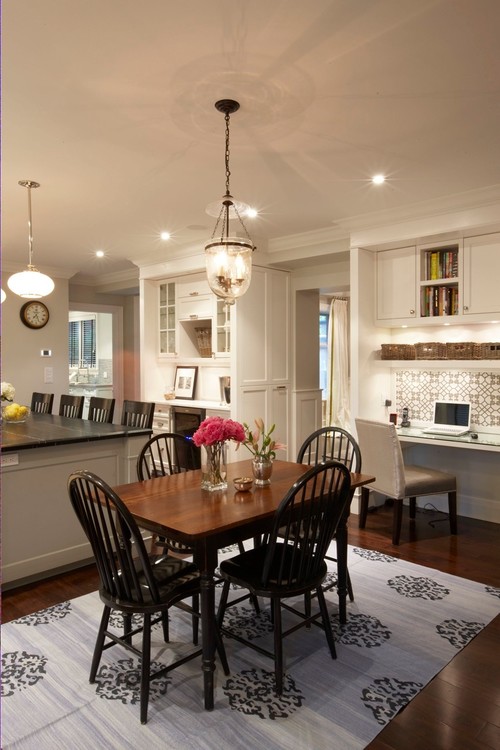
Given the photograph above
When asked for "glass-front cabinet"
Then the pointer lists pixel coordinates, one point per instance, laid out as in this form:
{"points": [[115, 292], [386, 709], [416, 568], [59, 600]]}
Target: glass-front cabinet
{"points": [[222, 328], [168, 319]]}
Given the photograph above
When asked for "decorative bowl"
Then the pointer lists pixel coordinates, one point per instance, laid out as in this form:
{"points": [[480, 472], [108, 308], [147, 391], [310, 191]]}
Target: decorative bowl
{"points": [[14, 413], [243, 484]]}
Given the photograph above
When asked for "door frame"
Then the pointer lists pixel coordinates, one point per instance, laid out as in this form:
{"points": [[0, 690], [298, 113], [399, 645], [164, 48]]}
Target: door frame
{"points": [[117, 330]]}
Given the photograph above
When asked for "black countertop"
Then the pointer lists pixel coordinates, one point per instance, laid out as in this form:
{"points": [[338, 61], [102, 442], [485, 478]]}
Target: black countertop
{"points": [[43, 430]]}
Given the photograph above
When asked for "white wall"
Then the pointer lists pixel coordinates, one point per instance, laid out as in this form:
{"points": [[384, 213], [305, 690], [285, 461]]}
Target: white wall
{"points": [[22, 364]]}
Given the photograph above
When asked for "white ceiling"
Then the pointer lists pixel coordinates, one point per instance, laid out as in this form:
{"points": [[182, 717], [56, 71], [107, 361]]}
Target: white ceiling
{"points": [[109, 104]]}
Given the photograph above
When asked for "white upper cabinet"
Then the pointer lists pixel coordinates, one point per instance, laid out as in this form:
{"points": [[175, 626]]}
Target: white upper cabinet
{"points": [[482, 275], [195, 300], [397, 284], [430, 284]]}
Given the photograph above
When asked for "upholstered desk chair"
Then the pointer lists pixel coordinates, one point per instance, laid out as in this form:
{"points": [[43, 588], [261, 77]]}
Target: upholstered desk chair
{"points": [[383, 457], [42, 403]]}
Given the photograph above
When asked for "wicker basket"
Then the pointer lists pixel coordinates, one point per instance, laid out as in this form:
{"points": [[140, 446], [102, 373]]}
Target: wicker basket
{"points": [[461, 350], [398, 351], [204, 341], [488, 351], [430, 350]]}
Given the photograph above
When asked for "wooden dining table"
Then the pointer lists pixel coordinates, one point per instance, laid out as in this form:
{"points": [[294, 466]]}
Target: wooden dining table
{"points": [[176, 507]]}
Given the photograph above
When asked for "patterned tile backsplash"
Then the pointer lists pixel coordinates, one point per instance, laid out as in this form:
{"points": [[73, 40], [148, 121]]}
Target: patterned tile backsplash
{"points": [[418, 389]]}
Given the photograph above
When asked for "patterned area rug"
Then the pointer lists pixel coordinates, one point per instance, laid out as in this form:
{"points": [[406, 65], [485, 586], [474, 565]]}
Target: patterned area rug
{"points": [[406, 623]]}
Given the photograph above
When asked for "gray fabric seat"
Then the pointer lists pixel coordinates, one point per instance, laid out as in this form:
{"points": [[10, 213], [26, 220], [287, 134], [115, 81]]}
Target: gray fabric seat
{"points": [[383, 457]]}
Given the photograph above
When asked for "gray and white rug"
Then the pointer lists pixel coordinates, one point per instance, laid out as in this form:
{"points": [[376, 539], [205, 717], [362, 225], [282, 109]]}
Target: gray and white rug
{"points": [[406, 623]]}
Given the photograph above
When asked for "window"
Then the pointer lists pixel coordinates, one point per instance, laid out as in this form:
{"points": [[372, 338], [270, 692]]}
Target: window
{"points": [[323, 353], [82, 343]]}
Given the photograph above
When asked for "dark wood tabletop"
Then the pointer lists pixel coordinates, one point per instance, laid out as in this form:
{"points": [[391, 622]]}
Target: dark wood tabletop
{"points": [[175, 506]]}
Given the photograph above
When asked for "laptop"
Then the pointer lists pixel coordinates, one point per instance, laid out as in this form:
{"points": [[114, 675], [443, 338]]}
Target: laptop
{"points": [[450, 418]]}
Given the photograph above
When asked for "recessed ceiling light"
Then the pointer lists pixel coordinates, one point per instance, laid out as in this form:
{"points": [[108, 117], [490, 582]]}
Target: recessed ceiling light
{"points": [[165, 235], [378, 179], [99, 253], [251, 212]]}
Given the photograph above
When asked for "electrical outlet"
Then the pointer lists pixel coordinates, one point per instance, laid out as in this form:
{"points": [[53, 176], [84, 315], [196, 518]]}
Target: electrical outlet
{"points": [[9, 459], [48, 374]]}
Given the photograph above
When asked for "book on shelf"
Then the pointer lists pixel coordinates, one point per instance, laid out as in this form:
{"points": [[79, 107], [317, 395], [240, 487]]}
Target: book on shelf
{"points": [[441, 264]]}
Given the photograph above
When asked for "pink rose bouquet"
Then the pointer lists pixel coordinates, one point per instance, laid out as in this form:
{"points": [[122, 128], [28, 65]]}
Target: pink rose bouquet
{"points": [[218, 430]]}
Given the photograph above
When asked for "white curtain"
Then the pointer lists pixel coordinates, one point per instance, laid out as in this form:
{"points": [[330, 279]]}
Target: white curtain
{"points": [[338, 412]]}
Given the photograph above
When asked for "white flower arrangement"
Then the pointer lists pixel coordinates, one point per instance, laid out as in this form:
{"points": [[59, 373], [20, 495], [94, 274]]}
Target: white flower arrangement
{"points": [[8, 392]]}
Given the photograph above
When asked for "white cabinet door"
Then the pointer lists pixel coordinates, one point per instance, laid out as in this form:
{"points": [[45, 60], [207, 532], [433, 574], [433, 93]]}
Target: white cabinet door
{"points": [[251, 315], [397, 284], [482, 274], [280, 400], [278, 327]]}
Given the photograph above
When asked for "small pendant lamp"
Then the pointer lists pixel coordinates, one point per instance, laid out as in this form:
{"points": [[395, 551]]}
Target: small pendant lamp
{"points": [[30, 283]]}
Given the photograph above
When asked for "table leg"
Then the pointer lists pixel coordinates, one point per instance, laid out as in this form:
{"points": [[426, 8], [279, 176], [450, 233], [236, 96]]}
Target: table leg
{"points": [[208, 636]]}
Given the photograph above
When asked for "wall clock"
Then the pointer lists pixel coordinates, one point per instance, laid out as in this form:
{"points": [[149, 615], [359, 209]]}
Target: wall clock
{"points": [[34, 314]]}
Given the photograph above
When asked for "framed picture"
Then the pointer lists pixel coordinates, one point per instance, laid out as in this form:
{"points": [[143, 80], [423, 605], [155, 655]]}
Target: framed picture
{"points": [[185, 382]]}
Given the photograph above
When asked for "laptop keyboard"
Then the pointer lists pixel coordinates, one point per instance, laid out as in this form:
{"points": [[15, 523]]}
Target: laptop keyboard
{"points": [[443, 431]]}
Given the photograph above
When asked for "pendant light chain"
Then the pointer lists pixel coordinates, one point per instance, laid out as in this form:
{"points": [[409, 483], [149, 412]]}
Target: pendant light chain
{"points": [[228, 172]]}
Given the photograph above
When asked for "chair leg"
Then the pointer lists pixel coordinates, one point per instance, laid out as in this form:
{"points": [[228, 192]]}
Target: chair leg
{"points": [[363, 510], [278, 645], [166, 626], [222, 604], [307, 608], [349, 587], [219, 645], [99, 644], [127, 627], [196, 620], [327, 625], [397, 518], [413, 508], [145, 667], [452, 510]]}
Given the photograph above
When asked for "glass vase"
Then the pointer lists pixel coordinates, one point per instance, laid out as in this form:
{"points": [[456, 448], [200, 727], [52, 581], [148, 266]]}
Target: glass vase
{"points": [[262, 469], [213, 467]]}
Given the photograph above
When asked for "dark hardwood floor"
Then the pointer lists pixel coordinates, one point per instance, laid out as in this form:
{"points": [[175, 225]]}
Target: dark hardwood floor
{"points": [[460, 708]]}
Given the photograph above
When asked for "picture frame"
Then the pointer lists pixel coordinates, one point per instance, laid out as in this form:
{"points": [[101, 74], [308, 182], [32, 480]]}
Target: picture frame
{"points": [[185, 382]]}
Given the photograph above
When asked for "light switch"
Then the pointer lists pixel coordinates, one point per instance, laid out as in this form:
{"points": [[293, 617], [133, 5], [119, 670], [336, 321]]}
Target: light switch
{"points": [[48, 374]]}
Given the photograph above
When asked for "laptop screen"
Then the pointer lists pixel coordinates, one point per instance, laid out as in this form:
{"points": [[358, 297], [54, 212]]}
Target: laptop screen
{"points": [[453, 413]]}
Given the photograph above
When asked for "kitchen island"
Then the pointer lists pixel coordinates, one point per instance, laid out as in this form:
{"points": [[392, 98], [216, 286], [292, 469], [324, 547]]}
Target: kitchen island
{"points": [[41, 535]]}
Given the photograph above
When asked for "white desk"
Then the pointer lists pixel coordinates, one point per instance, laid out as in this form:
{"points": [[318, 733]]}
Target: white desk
{"points": [[485, 441], [475, 463]]}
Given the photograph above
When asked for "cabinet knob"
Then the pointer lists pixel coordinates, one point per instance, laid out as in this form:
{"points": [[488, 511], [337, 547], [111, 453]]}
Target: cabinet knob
{"points": [[466, 307], [193, 317], [412, 312]]}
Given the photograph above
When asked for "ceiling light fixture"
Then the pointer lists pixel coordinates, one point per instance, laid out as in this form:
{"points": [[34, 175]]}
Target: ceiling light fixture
{"points": [[228, 258], [30, 283], [378, 179]]}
